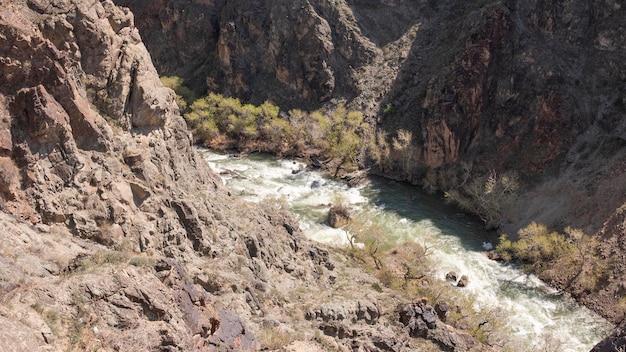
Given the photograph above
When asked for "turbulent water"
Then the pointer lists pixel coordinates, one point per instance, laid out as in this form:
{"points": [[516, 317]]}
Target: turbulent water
{"points": [[537, 317]]}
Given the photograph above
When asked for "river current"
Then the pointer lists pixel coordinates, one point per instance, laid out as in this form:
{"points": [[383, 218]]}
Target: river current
{"points": [[538, 318]]}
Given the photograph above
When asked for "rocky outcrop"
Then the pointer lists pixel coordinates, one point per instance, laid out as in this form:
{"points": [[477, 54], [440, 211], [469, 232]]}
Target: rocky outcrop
{"points": [[299, 54], [366, 311], [420, 320], [96, 155], [615, 342]]}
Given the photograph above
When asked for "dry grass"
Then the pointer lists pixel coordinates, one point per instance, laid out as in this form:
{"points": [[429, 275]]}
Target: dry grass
{"points": [[275, 338], [9, 176]]}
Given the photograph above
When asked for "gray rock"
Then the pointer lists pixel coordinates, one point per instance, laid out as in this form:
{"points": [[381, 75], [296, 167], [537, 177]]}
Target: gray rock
{"points": [[351, 311], [452, 276], [442, 309], [463, 281], [429, 316], [338, 216]]}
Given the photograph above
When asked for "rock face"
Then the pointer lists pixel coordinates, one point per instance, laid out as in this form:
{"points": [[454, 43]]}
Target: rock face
{"points": [[615, 342], [116, 235], [420, 320], [299, 54], [96, 155], [527, 86]]}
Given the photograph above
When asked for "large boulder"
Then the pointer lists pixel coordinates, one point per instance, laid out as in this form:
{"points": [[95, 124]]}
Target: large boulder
{"points": [[338, 216]]}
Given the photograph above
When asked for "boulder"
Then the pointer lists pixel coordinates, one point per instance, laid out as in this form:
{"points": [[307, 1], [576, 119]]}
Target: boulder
{"points": [[463, 281], [452, 276], [429, 316], [417, 318], [338, 216]]}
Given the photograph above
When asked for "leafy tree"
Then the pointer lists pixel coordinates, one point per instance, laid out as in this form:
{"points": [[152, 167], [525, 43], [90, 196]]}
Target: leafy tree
{"points": [[333, 134], [403, 143]]}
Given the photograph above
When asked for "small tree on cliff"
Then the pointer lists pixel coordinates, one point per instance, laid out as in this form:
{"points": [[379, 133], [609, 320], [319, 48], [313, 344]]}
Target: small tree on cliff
{"points": [[486, 196], [403, 143], [184, 95]]}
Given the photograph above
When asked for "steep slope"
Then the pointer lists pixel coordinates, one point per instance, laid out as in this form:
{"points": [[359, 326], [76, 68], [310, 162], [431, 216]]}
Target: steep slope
{"points": [[484, 87], [117, 236]]}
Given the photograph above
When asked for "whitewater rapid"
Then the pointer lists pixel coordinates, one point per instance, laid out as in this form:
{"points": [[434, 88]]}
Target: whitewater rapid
{"points": [[538, 317]]}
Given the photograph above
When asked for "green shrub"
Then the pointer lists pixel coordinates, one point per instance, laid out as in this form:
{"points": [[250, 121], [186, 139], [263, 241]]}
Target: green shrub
{"points": [[334, 134], [569, 259], [389, 109]]}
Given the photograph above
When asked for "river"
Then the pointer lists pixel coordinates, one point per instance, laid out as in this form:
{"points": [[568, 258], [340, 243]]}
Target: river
{"points": [[538, 318]]}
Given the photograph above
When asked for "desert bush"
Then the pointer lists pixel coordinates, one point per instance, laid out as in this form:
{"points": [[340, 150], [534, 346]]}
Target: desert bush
{"points": [[403, 143], [101, 258], [372, 237], [379, 150], [569, 259], [142, 261], [389, 109], [275, 338], [334, 134], [9, 176]]}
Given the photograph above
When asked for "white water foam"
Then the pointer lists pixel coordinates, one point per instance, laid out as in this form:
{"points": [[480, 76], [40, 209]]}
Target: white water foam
{"points": [[533, 309]]}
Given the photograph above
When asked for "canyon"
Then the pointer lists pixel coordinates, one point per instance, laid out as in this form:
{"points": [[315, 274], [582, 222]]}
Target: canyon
{"points": [[116, 234], [485, 87]]}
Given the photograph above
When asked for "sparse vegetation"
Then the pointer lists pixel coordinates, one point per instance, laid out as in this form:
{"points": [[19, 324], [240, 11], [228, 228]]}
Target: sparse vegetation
{"points": [[333, 135], [114, 257], [389, 109], [141, 261], [275, 338], [403, 143], [9, 176], [407, 269], [568, 259], [370, 236], [50, 316], [486, 196], [184, 95], [379, 150]]}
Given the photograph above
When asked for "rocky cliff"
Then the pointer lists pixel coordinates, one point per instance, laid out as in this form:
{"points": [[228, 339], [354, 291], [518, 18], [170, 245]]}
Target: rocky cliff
{"points": [[526, 86], [117, 236]]}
